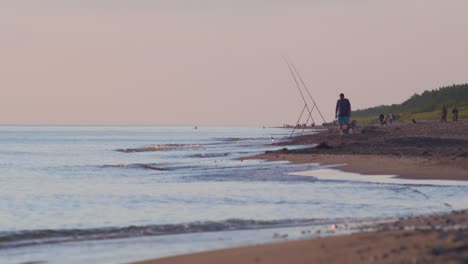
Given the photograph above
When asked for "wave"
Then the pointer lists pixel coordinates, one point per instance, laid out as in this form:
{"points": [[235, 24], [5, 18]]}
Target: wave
{"points": [[162, 147], [209, 155], [138, 166], [236, 139], [47, 236]]}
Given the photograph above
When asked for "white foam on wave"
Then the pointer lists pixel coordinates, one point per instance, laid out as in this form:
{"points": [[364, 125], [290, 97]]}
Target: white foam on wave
{"points": [[160, 147], [332, 174]]}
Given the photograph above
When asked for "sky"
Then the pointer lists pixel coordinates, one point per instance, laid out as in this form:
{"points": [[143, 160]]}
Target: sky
{"points": [[220, 62]]}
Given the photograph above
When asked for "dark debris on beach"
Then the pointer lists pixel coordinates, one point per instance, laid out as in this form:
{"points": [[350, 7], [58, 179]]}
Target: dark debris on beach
{"points": [[431, 139]]}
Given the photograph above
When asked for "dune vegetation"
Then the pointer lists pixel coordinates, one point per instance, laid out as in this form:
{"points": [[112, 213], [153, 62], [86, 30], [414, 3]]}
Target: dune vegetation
{"points": [[424, 106]]}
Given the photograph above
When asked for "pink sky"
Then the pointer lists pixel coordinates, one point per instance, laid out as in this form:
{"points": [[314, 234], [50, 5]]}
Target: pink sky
{"points": [[221, 66]]}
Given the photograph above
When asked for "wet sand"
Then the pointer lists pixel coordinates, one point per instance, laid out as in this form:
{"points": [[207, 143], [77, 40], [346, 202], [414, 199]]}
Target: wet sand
{"points": [[403, 167], [430, 150], [423, 239]]}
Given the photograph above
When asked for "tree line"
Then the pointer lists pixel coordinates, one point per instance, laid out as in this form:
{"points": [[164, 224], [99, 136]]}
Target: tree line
{"points": [[428, 101]]}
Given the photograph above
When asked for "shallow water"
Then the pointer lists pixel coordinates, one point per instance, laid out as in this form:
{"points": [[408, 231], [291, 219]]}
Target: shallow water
{"points": [[67, 189]]}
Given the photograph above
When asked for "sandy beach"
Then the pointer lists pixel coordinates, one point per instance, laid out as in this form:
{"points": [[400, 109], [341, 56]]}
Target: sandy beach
{"points": [[424, 239], [429, 150]]}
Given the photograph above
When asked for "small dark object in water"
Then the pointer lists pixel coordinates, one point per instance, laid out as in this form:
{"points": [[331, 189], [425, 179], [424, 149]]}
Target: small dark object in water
{"points": [[414, 121], [324, 145]]}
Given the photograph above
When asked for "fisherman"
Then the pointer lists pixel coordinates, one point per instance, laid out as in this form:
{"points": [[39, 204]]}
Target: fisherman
{"points": [[381, 119], [385, 121], [390, 118], [455, 113], [343, 112], [444, 114]]}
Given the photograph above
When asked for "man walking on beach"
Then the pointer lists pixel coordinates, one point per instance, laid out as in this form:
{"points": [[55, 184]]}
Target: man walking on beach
{"points": [[343, 112]]}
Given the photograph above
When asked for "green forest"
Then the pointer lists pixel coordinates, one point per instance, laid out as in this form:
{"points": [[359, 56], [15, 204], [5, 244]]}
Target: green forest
{"points": [[424, 106]]}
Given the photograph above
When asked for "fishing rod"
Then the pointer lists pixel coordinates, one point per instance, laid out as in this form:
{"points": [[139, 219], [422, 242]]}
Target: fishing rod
{"points": [[310, 117], [298, 87], [298, 120], [307, 89]]}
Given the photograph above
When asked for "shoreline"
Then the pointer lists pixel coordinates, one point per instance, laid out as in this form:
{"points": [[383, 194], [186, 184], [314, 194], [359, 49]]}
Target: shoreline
{"points": [[405, 168], [420, 239], [423, 151], [428, 151]]}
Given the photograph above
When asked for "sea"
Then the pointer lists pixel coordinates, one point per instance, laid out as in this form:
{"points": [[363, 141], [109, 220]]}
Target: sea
{"points": [[117, 194]]}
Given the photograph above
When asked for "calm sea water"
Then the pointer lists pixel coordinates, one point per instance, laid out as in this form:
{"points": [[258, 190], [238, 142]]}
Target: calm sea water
{"points": [[73, 193]]}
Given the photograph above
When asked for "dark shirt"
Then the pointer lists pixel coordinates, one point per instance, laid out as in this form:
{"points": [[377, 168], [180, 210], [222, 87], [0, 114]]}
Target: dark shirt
{"points": [[343, 107]]}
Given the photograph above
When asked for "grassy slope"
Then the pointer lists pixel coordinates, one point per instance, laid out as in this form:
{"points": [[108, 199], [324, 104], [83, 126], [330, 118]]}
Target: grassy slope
{"points": [[426, 106]]}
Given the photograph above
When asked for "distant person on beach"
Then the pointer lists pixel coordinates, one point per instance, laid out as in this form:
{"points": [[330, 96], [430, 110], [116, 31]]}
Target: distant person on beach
{"points": [[381, 119], [455, 113], [343, 112], [390, 118], [444, 114]]}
